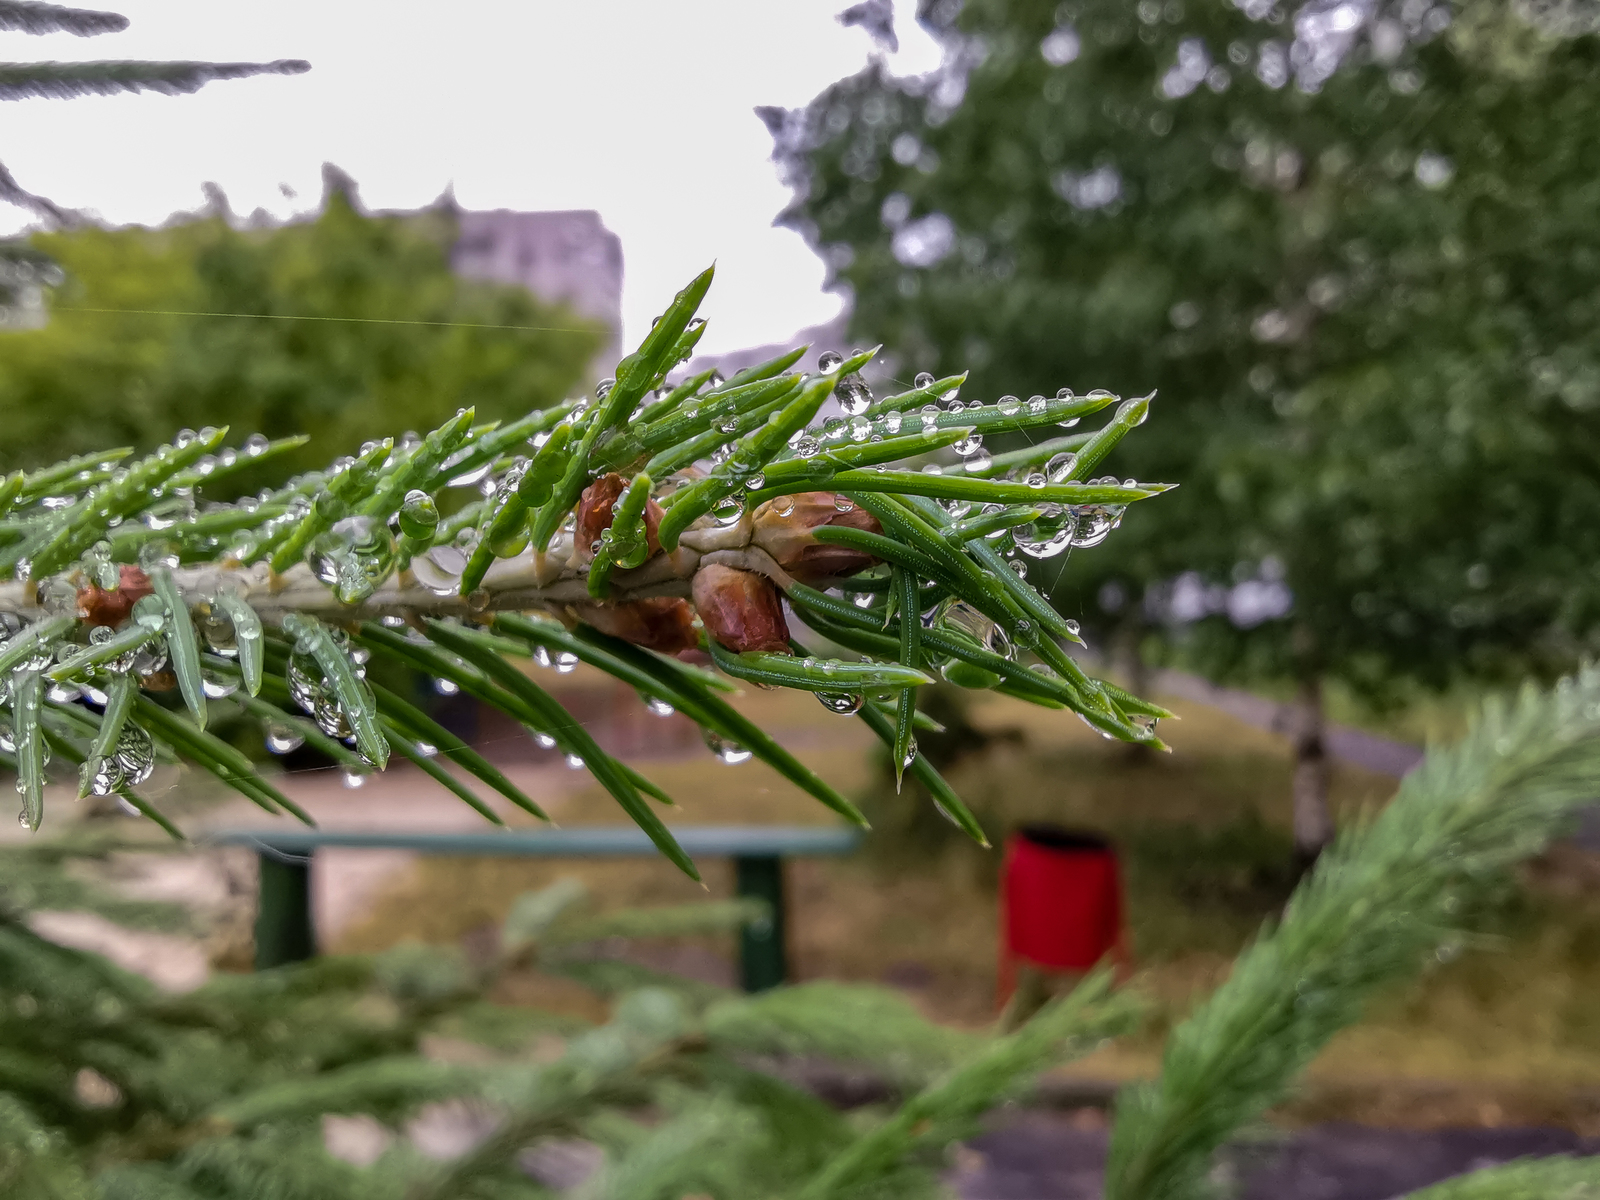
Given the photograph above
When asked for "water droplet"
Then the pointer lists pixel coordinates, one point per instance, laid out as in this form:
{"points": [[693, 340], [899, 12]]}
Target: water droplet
{"points": [[473, 478], [829, 360], [844, 504], [960, 620], [755, 482], [1095, 523], [566, 662], [1009, 405], [728, 510], [853, 395], [1047, 535], [923, 379], [151, 612], [217, 686], [330, 717], [135, 755], [354, 778], [863, 600], [1072, 627], [255, 444], [158, 553], [439, 570], [911, 755], [1035, 479], [783, 505], [418, 517], [726, 750], [446, 687], [603, 388], [1061, 467], [860, 428], [574, 762], [60, 599], [1036, 404], [659, 707], [544, 741], [845, 704], [283, 739], [978, 462], [807, 446], [968, 445], [1019, 568]]}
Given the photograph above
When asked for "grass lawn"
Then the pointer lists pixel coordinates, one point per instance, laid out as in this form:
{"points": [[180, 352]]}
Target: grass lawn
{"points": [[1508, 1032]]}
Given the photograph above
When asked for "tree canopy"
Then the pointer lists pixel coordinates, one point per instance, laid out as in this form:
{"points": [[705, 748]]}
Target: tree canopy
{"points": [[1353, 253], [344, 328]]}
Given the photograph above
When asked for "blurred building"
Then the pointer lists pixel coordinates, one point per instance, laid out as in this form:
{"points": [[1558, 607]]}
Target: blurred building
{"points": [[566, 257]]}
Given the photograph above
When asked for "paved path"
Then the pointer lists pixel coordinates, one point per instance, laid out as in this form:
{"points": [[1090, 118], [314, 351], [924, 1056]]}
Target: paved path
{"points": [[1381, 755], [1369, 751], [1049, 1157]]}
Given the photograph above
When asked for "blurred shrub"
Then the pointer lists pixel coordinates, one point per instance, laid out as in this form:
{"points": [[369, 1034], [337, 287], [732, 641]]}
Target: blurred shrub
{"points": [[354, 328]]}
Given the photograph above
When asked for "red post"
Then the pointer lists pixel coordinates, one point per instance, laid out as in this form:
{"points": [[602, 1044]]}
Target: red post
{"points": [[1060, 903]]}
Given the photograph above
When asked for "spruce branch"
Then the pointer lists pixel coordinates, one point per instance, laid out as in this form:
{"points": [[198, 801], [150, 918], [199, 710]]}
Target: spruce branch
{"points": [[36, 17], [1069, 1027], [13, 192], [620, 530], [1379, 905], [1559, 1178], [64, 80]]}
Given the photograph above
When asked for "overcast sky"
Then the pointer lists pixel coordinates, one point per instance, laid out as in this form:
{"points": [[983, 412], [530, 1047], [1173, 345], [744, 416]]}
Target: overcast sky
{"points": [[640, 109]]}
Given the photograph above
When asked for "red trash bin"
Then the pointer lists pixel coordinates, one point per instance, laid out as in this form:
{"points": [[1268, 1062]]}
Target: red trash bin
{"points": [[1060, 903]]}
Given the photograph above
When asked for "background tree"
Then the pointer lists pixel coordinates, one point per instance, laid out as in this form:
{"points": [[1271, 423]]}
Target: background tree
{"points": [[343, 327], [1351, 251], [19, 81]]}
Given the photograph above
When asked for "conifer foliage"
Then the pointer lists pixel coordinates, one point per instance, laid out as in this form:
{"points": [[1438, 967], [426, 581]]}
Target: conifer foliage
{"points": [[109, 1091], [620, 531]]}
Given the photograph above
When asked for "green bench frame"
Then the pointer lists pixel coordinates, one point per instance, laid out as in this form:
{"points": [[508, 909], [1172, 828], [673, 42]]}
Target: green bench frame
{"points": [[285, 933]]}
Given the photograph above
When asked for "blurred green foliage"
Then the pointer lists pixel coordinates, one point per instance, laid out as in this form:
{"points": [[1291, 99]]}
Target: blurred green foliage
{"points": [[355, 328], [1364, 293]]}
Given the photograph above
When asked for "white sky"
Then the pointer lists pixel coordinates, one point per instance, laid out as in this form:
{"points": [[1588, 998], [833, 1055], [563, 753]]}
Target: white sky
{"points": [[640, 109]]}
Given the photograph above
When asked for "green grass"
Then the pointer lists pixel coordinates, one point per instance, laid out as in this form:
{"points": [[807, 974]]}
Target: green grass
{"points": [[1508, 1027]]}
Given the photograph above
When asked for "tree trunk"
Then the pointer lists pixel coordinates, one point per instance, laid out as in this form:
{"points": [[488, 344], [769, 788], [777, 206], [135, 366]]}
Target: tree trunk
{"points": [[1313, 826]]}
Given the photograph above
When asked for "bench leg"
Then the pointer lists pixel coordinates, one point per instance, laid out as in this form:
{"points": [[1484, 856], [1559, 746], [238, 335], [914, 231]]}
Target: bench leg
{"points": [[763, 957], [284, 932]]}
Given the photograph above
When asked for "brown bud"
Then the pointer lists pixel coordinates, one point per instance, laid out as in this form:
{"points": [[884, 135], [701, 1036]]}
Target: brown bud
{"points": [[595, 516], [102, 607], [158, 681], [741, 609], [663, 623], [783, 529]]}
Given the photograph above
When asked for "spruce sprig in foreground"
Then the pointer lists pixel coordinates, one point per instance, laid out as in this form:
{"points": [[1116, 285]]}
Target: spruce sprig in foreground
{"points": [[109, 1091], [1380, 903], [622, 530]]}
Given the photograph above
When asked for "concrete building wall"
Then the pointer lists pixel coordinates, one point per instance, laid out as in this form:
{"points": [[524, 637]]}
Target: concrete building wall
{"points": [[558, 256]]}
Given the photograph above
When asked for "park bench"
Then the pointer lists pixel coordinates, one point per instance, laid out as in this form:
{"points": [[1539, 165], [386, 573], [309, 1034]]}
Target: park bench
{"points": [[284, 931]]}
